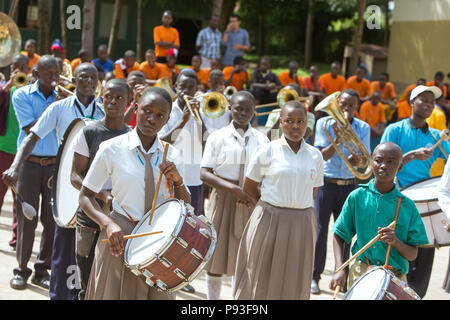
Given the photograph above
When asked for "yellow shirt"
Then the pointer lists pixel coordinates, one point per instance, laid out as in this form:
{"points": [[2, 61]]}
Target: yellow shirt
{"points": [[438, 121]]}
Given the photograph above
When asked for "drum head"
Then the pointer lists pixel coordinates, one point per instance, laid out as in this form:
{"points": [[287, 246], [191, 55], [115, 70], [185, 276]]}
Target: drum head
{"points": [[166, 218], [423, 190], [369, 285], [64, 195]]}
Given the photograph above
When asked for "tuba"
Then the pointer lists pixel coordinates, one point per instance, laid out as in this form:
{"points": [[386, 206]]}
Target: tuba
{"points": [[347, 137], [10, 39], [214, 105]]}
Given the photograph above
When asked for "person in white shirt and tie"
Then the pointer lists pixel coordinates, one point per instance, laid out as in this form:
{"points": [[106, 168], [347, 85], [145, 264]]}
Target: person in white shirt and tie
{"points": [[131, 176], [276, 253], [227, 153]]}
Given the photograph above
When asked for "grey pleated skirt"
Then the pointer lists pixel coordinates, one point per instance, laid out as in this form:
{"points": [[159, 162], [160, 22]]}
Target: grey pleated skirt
{"points": [[110, 279], [276, 254]]}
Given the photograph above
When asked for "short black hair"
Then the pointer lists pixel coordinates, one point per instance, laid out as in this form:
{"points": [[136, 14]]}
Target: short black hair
{"points": [[294, 104], [235, 15], [136, 73], [244, 93], [160, 91], [188, 73], [119, 83], [82, 52], [19, 57], [100, 68], [130, 53], [103, 47], [439, 74], [238, 60], [351, 92], [216, 73], [31, 41], [84, 65]]}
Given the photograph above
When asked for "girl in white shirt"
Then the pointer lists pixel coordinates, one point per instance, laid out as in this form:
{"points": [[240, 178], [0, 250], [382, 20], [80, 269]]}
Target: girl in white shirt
{"points": [[276, 252], [226, 154], [123, 160]]}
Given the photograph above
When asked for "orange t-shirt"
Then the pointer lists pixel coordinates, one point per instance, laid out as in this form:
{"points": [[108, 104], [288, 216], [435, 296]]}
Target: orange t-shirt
{"points": [[404, 110], [31, 62], [75, 63], [387, 92], [119, 73], [363, 87], [167, 72], [151, 73], [372, 114], [203, 76], [285, 79], [238, 79], [330, 84], [161, 33], [405, 93], [443, 88]]}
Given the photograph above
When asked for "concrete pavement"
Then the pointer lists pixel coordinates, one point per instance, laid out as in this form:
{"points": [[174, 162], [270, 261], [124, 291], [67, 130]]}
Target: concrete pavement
{"points": [[8, 262]]}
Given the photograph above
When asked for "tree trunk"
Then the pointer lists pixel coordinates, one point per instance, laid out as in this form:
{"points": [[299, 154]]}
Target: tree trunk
{"points": [[13, 9], [114, 29], [217, 7], [140, 31], [358, 37], [87, 36], [44, 42], [64, 38], [309, 33], [227, 10], [386, 27]]}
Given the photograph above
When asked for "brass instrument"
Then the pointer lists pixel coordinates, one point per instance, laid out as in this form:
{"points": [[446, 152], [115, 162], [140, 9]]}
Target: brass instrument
{"points": [[347, 137], [194, 111], [214, 105], [10, 39], [229, 91], [69, 86], [166, 83], [2, 77], [20, 80], [283, 96]]}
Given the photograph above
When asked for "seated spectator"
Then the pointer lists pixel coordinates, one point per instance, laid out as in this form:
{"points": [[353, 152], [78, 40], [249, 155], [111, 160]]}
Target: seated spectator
{"points": [[372, 112], [151, 68], [237, 75], [439, 82], [333, 81], [103, 59], [359, 84], [30, 52], [291, 75], [312, 86], [202, 74], [388, 96], [170, 69], [83, 56], [124, 66]]}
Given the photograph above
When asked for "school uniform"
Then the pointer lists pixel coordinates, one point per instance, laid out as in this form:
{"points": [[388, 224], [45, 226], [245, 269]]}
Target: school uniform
{"points": [[276, 252], [225, 155], [110, 279], [189, 144], [55, 120]]}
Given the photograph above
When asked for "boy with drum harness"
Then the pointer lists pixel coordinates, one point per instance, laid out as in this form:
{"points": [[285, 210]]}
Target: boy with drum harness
{"points": [[366, 213]]}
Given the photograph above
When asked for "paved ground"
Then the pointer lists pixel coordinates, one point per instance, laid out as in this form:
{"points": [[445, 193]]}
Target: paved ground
{"points": [[8, 262]]}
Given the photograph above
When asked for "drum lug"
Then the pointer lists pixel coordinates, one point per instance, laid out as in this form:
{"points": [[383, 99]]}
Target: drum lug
{"points": [[147, 274], [161, 285], [166, 263], [191, 221], [136, 271], [196, 254], [180, 274], [189, 207], [205, 232], [391, 296], [182, 243], [149, 282], [204, 219]]}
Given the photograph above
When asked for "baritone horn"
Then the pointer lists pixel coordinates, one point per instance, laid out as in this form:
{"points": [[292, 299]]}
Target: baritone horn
{"points": [[166, 83], [283, 96], [347, 137], [20, 80], [214, 105]]}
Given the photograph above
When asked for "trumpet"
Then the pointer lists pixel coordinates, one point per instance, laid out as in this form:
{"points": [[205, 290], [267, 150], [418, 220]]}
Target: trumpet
{"points": [[283, 96], [347, 137], [20, 80], [194, 111], [214, 105]]}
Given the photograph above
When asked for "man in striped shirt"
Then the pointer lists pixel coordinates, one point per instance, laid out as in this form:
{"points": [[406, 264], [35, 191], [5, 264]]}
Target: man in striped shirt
{"points": [[208, 42]]}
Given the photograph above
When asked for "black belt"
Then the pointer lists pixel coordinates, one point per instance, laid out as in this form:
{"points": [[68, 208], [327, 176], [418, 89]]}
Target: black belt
{"points": [[340, 182]]}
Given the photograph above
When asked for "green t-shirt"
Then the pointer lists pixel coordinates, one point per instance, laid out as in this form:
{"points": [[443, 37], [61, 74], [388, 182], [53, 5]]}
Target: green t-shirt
{"points": [[365, 210], [8, 142]]}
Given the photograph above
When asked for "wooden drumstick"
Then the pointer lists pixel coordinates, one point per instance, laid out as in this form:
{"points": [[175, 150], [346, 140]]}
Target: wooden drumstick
{"points": [[445, 136], [131, 236], [158, 184], [367, 246], [336, 291]]}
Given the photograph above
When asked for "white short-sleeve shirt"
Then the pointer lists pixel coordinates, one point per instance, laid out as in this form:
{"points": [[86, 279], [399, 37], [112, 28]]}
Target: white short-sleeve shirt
{"points": [[119, 159], [287, 178], [223, 150]]}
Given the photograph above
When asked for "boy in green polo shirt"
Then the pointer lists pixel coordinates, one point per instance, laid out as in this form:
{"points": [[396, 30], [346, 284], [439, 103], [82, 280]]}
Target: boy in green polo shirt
{"points": [[365, 214]]}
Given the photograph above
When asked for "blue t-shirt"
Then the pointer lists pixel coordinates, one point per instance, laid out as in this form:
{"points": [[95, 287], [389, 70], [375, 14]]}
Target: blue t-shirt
{"points": [[240, 37], [108, 65], [409, 138]]}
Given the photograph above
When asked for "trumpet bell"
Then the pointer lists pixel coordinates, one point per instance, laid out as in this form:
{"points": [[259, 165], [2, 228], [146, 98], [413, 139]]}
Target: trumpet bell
{"points": [[214, 105], [285, 95], [229, 91], [20, 80]]}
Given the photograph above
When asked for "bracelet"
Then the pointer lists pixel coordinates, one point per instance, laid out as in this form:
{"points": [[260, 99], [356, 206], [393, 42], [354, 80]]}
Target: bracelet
{"points": [[178, 185]]}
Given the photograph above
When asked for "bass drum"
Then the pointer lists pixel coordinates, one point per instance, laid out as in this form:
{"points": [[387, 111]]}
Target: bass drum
{"points": [[64, 195]]}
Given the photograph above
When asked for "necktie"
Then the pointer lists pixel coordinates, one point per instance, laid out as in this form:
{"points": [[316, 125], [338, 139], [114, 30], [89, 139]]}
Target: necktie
{"points": [[149, 182], [241, 213]]}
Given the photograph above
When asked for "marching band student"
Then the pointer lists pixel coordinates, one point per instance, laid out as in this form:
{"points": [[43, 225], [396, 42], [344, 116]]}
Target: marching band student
{"points": [[415, 138], [226, 155], [368, 211], [137, 83], [86, 144], [275, 255], [339, 181], [133, 182]]}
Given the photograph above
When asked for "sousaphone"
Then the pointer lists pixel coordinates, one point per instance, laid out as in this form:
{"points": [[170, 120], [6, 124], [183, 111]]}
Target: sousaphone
{"points": [[10, 39]]}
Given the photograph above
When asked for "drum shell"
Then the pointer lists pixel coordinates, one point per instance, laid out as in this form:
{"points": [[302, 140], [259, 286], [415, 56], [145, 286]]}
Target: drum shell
{"points": [[431, 213], [182, 257], [392, 287]]}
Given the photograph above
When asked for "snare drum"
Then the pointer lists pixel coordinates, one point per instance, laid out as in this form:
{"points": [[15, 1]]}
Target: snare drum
{"points": [[380, 284], [424, 193], [172, 259]]}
